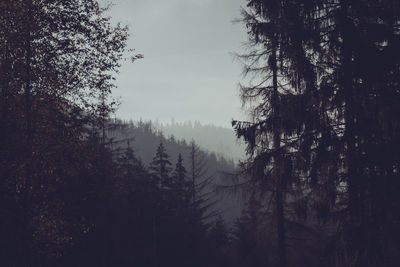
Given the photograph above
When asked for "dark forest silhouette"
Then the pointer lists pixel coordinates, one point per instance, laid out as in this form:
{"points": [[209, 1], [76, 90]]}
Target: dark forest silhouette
{"points": [[324, 134], [320, 181]]}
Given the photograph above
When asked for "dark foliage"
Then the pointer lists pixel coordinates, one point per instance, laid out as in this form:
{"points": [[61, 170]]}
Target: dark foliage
{"points": [[323, 112], [80, 189]]}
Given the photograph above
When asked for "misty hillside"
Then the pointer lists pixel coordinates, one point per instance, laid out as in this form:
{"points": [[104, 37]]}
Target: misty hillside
{"points": [[217, 139], [311, 88], [144, 139]]}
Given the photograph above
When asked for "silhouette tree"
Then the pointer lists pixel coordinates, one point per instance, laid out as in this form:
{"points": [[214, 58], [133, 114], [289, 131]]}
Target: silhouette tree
{"points": [[160, 168], [56, 59], [322, 47], [180, 185], [271, 96]]}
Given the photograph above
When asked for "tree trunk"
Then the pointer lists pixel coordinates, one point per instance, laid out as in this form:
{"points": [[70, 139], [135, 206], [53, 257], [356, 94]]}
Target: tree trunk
{"points": [[280, 217]]}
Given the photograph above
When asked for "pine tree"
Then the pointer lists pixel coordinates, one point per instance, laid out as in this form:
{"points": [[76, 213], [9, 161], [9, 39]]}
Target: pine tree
{"points": [[271, 124], [160, 167], [181, 186], [197, 173], [134, 206], [323, 47]]}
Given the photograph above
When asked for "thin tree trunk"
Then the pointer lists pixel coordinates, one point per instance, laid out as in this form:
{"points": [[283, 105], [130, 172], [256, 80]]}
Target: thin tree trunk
{"points": [[280, 219]]}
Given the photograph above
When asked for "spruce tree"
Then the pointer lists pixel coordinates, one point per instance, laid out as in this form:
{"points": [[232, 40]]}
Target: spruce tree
{"points": [[160, 168], [323, 47], [181, 186]]}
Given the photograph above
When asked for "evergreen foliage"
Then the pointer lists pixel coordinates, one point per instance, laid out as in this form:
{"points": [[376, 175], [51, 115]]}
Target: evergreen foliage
{"points": [[322, 93], [322, 144]]}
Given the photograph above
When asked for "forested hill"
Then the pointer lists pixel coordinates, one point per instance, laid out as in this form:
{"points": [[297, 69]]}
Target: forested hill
{"points": [[217, 139], [320, 185], [144, 139]]}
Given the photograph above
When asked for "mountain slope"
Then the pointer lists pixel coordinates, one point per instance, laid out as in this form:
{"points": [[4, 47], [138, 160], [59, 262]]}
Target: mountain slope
{"points": [[144, 139], [219, 140]]}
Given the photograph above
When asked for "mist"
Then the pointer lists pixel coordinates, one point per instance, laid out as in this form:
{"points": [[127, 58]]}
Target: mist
{"points": [[159, 133], [188, 60]]}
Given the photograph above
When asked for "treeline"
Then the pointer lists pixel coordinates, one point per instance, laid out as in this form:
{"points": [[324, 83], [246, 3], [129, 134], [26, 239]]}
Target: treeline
{"points": [[217, 139], [323, 139], [322, 175], [144, 137]]}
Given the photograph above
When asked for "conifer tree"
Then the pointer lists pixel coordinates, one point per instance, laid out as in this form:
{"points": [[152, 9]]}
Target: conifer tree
{"points": [[269, 96], [197, 173], [181, 186], [160, 167], [323, 48]]}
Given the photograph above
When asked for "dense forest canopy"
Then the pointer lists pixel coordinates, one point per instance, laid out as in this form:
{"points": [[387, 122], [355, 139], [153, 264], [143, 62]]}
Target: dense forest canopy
{"points": [[319, 184]]}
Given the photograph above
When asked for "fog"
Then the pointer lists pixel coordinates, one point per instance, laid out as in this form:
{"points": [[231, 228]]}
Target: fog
{"points": [[188, 63]]}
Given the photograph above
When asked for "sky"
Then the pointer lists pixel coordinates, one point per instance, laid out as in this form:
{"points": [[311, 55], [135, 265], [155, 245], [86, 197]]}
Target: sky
{"points": [[188, 71]]}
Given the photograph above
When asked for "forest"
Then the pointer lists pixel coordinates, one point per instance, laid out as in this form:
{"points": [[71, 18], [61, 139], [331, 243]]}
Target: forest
{"points": [[318, 185], [219, 140]]}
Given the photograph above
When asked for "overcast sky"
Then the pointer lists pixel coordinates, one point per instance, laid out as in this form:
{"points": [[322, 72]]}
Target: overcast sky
{"points": [[187, 72]]}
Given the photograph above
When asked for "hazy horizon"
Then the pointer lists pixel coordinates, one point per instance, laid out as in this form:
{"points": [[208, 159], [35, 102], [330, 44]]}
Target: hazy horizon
{"points": [[182, 70]]}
